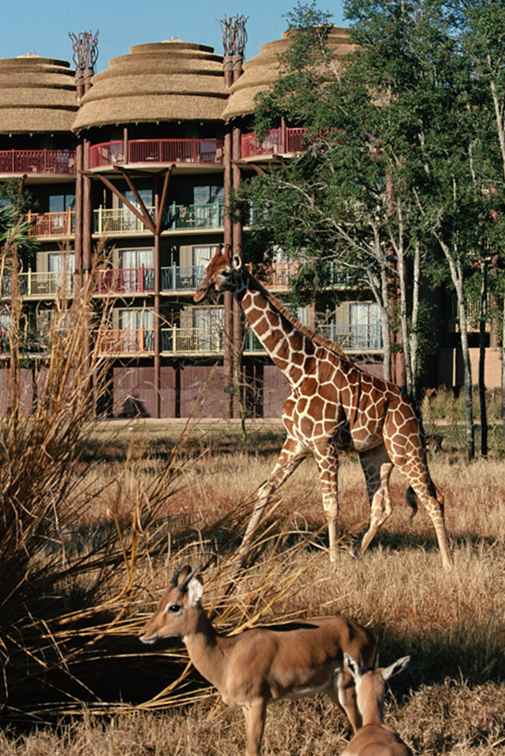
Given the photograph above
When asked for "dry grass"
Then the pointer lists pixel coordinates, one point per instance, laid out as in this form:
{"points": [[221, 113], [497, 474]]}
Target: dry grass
{"points": [[451, 701]]}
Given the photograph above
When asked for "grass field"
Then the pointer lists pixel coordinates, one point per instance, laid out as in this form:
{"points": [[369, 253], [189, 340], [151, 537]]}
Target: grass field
{"points": [[452, 698]]}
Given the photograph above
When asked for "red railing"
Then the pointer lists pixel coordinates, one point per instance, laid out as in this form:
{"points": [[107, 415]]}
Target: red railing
{"points": [[54, 162], [125, 280], [279, 141], [156, 151], [52, 224]]}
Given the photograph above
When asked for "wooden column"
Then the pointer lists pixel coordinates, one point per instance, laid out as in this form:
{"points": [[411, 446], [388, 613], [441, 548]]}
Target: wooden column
{"points": [[78, 214], [157, 315], [228, 245], [237, 250], [87, 226]]}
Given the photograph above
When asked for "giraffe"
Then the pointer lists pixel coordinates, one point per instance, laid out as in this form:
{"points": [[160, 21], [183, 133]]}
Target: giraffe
{"points": [[333, 406]]}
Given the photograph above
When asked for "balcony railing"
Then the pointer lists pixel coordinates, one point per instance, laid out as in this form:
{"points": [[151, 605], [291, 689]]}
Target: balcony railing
{"points": [[125, 341], [156, 151], [196, 216], [117, 220], [41, 284], [177, 340], [125, 280], [122, 221], [53, 162], [354, 337], [52, 224], [30, 343], [281, 141], [181, 278]]}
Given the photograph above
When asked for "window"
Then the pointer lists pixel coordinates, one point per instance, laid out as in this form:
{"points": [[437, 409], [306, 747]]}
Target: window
{"points": [[365, 324], [61, 262], [132, 319], [201, 256], [136, 258], [145, 194], [205, 195], [59, 203]]}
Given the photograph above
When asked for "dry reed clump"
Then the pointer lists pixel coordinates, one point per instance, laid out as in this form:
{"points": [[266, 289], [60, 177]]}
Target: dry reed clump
{"points": [[64, 589]]}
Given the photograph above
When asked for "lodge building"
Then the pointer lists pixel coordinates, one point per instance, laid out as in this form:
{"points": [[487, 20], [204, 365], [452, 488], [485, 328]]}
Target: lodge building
{"points": [[130, 173]]}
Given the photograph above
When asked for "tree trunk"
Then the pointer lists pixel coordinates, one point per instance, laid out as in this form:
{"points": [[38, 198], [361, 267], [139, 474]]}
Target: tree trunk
{"points": [[467, 371], [482, 360], [404, 324], [386, 331], [414, 338], [503, 365]]}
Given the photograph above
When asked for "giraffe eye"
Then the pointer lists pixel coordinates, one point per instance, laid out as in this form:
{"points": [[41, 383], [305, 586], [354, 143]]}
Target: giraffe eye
{"points": [[174, 608]]}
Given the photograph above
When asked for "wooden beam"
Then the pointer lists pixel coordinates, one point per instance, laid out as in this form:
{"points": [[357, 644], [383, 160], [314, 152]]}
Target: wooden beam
{"points": [[148, 221], [163, 200], [136, 212]]}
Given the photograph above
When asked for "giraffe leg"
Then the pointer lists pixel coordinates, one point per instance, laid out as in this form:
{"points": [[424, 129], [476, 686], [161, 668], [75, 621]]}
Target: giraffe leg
{"points": [[415, 470], [433, 501], [377, 470], [292, 454], [327, 464]]}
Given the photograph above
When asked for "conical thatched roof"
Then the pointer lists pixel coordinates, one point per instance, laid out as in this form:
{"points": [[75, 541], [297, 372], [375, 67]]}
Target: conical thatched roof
{"points": [[36, 95], [163, 81], [261, 72]]}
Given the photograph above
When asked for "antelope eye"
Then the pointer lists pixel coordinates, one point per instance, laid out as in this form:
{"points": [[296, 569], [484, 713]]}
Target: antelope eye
{"points": [[174, 608]]}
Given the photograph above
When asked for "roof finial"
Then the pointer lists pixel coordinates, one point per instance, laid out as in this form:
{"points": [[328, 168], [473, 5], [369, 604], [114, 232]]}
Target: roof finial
{"points": [[85, 46], [234, 35]]}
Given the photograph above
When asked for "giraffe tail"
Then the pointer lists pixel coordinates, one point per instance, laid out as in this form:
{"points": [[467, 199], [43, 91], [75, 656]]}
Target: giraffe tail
{"points": [[411, 501]]}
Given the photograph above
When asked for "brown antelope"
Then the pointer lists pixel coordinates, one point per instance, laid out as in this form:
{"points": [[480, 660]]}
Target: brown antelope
{"points": [[263, 664], [374, 738]]}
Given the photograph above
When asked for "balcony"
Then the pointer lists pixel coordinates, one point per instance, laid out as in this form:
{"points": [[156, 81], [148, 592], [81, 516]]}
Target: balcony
{"points": [[117, 220], [28, 344], [155, 151], [125, 280], [52, 224], [122, 221], [41, 162], [40, 285], [117, 341], [360, 337], [179, 278], [281, 141], [177, 340]]}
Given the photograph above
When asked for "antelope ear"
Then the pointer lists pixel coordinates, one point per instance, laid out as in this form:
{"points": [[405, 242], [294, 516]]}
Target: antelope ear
{"points": [[395, 668], [195, 591], [352, 666], [237, 262]]}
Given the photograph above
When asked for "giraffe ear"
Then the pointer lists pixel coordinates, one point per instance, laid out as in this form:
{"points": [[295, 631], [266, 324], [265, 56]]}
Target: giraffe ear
{"points": [[237, 262]]}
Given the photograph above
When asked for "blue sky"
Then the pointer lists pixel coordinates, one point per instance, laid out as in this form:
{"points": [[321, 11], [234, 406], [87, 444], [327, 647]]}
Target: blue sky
{"points": [[42, 26]]}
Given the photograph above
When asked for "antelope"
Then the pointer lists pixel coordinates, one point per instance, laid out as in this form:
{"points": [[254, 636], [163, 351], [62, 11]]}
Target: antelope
{"points": [[374, 738], [264, 664]]}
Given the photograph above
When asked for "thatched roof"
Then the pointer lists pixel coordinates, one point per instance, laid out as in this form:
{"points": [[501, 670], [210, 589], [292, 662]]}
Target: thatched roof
{"points": [[261, 72], [163, 81], [36, 95]]}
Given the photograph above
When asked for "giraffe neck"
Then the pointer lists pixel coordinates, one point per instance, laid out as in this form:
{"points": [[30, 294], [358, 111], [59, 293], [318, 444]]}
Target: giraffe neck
{"points": [[287, 346]]}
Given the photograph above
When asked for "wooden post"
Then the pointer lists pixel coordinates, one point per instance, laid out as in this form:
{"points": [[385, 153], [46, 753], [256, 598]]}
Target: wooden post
{"points": [[157, 314], [78, 214], [228, 244], [237, 250], [87, 225]]}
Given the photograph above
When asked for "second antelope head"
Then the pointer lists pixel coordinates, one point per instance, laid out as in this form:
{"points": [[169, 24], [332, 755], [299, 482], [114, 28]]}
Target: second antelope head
{"points": [[179, 609]]}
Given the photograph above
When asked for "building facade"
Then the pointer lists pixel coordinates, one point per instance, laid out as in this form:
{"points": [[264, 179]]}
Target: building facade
{"points": [[130, 174]]}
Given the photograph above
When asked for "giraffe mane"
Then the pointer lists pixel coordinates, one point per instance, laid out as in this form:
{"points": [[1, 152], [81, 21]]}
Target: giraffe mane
{"points": [[288, 315]]}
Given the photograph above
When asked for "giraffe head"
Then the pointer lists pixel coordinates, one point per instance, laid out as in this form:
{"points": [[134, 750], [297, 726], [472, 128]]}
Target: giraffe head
{"points": [[224, 272]]}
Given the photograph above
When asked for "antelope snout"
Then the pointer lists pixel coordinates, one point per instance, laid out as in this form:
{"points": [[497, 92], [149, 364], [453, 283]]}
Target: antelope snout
{"points": [[148, 640]]}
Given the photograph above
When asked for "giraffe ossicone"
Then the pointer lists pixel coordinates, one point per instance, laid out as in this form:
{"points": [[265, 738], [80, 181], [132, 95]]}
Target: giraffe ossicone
{"points": [[333, 406]]}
